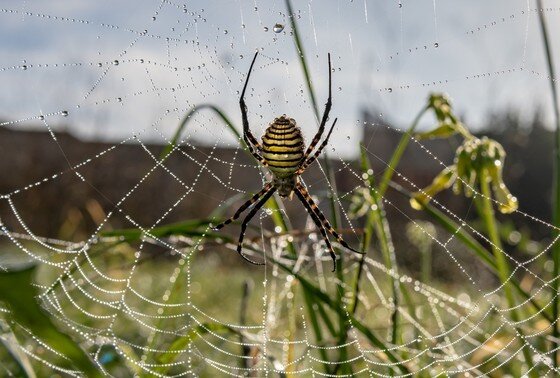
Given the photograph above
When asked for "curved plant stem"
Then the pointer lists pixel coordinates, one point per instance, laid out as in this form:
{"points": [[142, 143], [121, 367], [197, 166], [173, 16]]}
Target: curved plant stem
{"points": [[396, 157], [474, 246], [173, 143], [487, 213]]}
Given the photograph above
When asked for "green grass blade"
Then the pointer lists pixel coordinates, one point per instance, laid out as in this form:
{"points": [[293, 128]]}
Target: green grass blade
{"points": [[301, 55], [380, 225], [399, 151], [313, 98], [312, 309], [335, 220], [369, 230], [26, 312], [190, 228], [12, 346]]}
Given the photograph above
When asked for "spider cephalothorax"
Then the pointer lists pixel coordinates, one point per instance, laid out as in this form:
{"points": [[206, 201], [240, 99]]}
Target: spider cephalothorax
{"points": [[282, 152]]}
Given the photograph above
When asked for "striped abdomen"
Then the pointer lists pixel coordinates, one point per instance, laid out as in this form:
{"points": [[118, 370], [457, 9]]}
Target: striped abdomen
{"points": [[283, 146]]}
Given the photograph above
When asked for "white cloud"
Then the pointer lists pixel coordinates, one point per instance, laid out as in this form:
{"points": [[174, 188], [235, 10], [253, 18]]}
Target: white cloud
{"points": [[387, 51]]}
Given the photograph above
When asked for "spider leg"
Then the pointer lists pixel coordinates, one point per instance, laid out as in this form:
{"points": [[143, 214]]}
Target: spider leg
{"points": [[243, 207], [309, 161], [328, 105], [319, 225], [248, 218], [326, 224], [248, 137]]}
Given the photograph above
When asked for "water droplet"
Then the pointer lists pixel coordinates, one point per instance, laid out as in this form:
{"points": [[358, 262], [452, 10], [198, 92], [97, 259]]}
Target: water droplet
{"points": [[266, 28], [390, 90], [278, 28], [24, 67], [400, 5], [141, 60], [240, 56], [99, 64], [436, 45], [64, 113], [225, 31], [153, 18], [115, 62], [348, 137], [41, 117], [119, 99]]}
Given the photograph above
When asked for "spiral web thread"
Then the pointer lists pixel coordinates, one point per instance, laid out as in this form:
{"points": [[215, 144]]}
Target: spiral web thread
{"points": [[452, 331]]}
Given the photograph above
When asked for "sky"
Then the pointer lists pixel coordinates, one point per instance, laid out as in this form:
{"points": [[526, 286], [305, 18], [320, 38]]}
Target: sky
{"points": [[109, 70]]}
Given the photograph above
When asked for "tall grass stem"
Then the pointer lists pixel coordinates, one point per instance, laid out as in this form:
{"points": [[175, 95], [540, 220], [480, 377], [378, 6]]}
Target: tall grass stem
{"points": [[488, 216], [556, 191]]}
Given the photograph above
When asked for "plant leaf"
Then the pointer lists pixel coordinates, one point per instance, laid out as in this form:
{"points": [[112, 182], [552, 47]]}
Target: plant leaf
{"points": [[444, 130], [26, 312]]}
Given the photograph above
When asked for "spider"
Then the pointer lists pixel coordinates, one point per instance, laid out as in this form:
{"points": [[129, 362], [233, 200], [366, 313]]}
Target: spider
{"points": [[282, 152]]}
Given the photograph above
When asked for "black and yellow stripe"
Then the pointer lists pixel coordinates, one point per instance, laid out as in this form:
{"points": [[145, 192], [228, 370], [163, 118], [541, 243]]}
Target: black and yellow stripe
{"points": [[303, 195], [324, 221], [283, 146], [251, 201]]}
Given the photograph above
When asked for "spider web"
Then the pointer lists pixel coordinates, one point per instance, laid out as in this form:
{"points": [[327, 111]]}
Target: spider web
{"points": [[127, 73]]}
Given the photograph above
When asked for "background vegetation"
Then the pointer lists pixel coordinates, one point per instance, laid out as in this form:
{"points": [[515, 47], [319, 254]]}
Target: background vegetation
{"points": [[389, 310]]}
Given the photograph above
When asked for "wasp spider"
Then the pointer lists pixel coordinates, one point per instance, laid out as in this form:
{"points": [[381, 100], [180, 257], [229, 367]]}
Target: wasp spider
{"points": [[282, 152]]}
